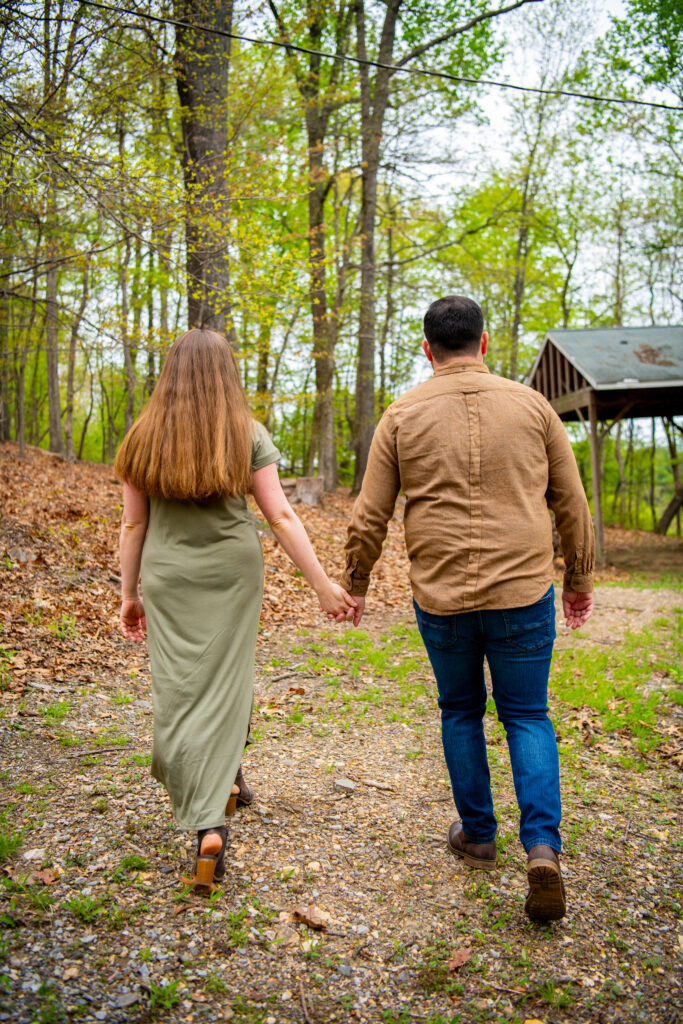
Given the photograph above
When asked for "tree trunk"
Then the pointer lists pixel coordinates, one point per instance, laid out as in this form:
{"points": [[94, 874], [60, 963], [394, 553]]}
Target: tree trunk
{"points": [[21, 406], [596, 477], [619, 265], [323, 440], [5, 268], [389, 311], [52, 334], [75, 328], [86, 421], [55, 82], [149, 298], [202, 78], [620, 492], [319, 101], [653, 457], [262, 397], [630, 458], [128, 344], [373, 103], [670, 511], [374, 98]]}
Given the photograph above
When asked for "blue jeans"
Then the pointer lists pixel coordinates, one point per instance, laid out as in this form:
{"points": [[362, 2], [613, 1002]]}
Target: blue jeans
{"points": [[518, 645]]}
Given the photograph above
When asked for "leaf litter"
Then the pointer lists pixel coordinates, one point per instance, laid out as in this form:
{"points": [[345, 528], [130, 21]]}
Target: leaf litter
{"points": [[339, 904]]}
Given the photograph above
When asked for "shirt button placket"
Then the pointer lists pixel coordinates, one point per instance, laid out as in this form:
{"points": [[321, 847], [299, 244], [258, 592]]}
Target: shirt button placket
{"points": [[475, 500]]}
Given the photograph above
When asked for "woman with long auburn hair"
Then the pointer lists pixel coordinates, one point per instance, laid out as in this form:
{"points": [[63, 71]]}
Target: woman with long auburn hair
{"points": [[186, 464]]}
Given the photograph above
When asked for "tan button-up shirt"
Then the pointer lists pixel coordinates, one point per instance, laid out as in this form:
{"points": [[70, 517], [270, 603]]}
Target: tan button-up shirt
{"points": [[480, 459]]}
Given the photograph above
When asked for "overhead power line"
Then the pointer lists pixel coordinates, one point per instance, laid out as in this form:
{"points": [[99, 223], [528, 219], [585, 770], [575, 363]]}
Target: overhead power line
{"points": [[348, 58]]}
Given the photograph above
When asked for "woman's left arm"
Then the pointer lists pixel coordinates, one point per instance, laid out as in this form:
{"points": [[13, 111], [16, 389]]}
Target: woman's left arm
{"points": [[291, 535], [133, 533]]}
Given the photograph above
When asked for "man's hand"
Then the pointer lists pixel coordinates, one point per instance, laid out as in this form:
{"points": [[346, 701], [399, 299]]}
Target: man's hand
{"points": [[360, 608], [577, 608], [353, 611]]}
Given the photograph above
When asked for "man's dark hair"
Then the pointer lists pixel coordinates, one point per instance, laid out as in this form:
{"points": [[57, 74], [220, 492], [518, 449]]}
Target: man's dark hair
{"points": [[454, 325]]}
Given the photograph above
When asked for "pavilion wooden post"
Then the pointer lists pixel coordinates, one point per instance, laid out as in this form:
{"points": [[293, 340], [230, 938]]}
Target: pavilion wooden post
{"points": [[596, 477]]}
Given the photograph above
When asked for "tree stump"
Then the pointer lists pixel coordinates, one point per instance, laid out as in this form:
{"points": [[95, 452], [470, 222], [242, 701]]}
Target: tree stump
{"points": [[304, 490]]}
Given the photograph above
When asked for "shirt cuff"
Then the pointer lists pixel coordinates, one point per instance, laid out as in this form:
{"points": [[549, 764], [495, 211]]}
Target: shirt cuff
{"points": [[578, 582], [353, 582]]}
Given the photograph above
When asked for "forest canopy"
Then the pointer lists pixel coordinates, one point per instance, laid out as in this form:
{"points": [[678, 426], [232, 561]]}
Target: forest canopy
{"points": [[306, 177]]}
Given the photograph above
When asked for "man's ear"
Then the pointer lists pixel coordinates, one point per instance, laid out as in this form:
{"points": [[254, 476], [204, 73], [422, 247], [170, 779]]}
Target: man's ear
{"points": [[427, 350], [484, 342]]}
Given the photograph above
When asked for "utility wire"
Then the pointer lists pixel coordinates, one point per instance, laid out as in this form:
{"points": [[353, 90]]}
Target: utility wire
{"points": [[425, 72]]}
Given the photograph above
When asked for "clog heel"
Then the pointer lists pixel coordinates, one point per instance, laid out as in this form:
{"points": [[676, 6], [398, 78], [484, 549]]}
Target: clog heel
{"points": [[210, 862], [231, 806]]}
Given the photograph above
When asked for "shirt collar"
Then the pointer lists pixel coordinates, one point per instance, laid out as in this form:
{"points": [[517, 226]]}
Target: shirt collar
{"points": [[461, 366]]}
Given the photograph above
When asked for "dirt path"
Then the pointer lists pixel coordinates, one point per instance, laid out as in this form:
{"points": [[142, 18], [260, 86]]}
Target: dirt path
{"points": [[351, 811], [110, 933]]}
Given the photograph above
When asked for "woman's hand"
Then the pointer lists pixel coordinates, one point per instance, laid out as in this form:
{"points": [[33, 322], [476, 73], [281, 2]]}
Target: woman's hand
{"points": [[133, 622], [336, 603]]}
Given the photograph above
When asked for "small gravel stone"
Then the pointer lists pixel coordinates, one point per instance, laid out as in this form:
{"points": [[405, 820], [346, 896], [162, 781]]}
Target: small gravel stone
{"points": [[127, 999], [344, 786]]}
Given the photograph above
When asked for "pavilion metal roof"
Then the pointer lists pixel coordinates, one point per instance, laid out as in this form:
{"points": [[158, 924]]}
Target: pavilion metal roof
{"points": [[623, 356], [634, 371]]}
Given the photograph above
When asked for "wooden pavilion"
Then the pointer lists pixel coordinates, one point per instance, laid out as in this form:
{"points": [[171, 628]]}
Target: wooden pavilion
{"points": [[604, 375]]}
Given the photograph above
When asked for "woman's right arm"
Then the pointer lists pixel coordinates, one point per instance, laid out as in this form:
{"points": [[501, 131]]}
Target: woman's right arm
{"points": [[133, 533], [292, 537]]}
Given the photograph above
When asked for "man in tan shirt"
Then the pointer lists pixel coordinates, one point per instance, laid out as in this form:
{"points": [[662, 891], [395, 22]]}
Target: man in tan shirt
{"points": [[480, 459]]}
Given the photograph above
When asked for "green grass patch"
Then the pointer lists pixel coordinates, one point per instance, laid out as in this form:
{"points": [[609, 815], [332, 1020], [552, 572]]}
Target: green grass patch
{"points": [[85, 908], [626, 685], [10, 839], [69, 739], [6, 656], [642, 581], [56, 712]]}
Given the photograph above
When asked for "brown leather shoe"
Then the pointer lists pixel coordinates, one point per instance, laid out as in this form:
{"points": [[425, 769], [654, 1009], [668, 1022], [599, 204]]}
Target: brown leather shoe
{"points": [[477, 855], [546, 899]]}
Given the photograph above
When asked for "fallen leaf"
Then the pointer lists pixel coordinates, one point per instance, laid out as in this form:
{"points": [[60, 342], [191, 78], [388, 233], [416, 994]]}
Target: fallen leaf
{"points": [[460, 957], [312, 916], [296, 689], [48, 876]]}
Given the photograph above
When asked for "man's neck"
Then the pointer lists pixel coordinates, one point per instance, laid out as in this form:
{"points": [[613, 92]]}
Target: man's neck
{"points": [[473, 358]]}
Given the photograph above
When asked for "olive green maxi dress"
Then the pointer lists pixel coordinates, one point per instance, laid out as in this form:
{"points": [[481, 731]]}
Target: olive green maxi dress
{"points": [[202, 585]]}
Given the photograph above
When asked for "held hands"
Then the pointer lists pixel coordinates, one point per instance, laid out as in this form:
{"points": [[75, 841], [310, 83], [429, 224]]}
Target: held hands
{"points": [[577, 608], [354, 614], [336, 603], [133, 622]]}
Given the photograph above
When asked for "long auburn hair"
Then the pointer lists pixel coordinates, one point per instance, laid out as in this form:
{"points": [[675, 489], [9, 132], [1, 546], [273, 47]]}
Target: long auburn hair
{"points": [[193, 439]]}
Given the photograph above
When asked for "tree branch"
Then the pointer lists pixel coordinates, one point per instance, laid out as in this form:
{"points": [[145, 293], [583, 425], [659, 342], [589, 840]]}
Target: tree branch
{"points": [[282, 29], [445, 36]]}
